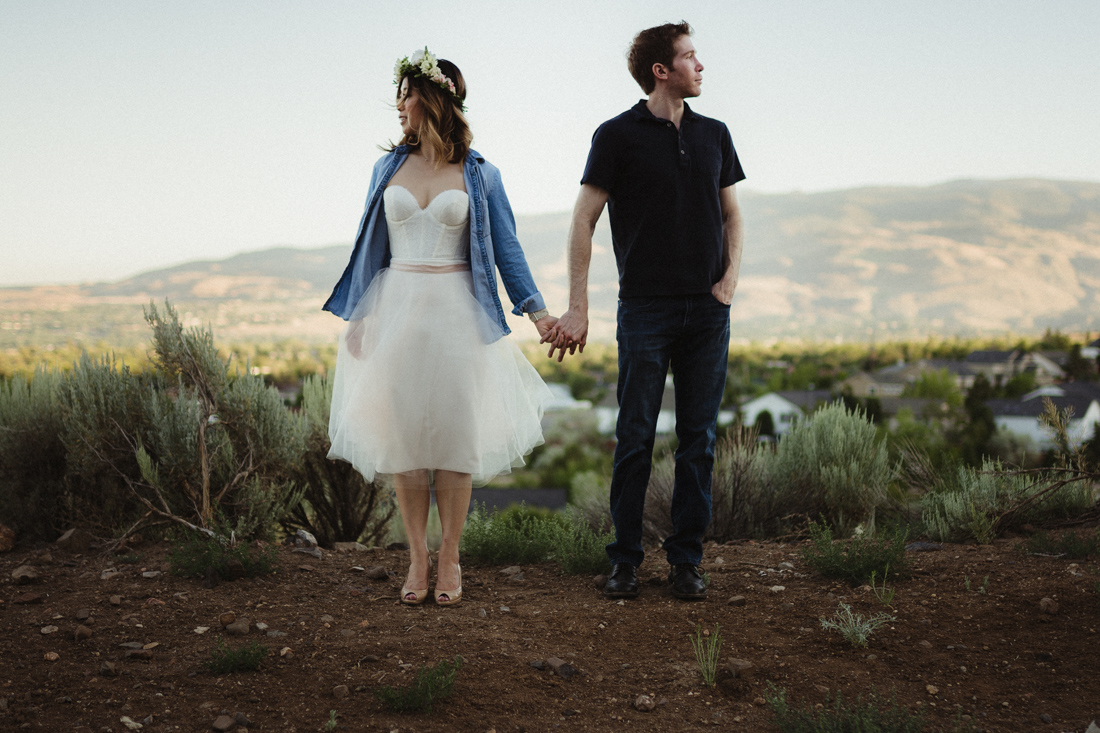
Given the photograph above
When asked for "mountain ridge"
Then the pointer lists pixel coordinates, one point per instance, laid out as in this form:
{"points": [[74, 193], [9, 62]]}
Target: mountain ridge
{"points": [[961, 257]]}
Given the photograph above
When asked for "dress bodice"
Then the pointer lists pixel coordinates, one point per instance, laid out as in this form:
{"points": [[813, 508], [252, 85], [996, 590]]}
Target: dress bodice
{"points": [[437, 233]]}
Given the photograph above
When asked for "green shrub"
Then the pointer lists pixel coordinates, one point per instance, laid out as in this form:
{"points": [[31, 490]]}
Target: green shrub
{"points": [[32, 456], [858, 559], [224, 660], [832, 464], [337, 505], [979, 504], [580, 550], [875, 715], [516, 536], [193, 555], [1070, 545], [855, 627], [430, 685]]}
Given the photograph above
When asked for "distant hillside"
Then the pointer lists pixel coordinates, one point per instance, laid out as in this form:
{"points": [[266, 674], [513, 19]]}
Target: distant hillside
{"points": [[965, 257]]}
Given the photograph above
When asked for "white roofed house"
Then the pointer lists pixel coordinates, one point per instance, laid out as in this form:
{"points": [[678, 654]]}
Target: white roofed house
{"points": [[784, 407], [1021, 416]]}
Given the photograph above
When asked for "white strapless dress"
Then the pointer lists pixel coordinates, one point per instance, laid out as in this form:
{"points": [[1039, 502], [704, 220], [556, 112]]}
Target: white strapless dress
{"points": [[423, 378]]}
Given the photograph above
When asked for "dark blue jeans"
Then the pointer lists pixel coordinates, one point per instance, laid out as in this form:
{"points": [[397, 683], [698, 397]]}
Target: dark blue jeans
{"points": [[691, 334]]}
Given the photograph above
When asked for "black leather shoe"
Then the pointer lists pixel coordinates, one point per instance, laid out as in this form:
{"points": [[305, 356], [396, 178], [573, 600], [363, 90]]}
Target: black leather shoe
{"points": [[687, 583], [623, 582]]}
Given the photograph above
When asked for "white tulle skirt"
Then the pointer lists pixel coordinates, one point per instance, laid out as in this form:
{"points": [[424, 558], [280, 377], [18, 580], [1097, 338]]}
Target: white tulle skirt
{"points": [[424, 381]]}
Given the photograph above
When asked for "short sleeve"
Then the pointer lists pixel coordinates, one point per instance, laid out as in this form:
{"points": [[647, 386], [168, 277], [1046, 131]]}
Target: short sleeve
{"points": [[731, 165], [600, 168]]}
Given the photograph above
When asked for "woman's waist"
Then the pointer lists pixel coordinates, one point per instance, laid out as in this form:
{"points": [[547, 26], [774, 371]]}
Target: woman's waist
{"points": [[429, 265]]}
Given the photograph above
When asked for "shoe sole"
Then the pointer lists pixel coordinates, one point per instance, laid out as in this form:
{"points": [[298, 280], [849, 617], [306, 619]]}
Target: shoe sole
{"points": [[620, 594]]}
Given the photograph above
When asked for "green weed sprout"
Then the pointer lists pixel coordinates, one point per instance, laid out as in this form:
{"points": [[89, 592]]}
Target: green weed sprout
{"points": [[706, 650], [854, 627]]}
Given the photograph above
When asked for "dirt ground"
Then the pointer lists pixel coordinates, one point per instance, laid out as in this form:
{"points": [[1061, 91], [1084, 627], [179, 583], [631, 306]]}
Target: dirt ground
{"points": [[995, 656]]}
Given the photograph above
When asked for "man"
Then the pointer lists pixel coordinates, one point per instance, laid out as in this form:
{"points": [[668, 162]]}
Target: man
{"points": [[667, 175]]}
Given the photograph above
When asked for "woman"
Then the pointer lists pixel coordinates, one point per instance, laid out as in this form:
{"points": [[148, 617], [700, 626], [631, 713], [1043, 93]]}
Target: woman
{"points": [[424, 382]]}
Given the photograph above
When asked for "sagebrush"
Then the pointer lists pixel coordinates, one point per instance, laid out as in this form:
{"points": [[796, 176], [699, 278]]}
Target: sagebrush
{"points": [[856, 560]]}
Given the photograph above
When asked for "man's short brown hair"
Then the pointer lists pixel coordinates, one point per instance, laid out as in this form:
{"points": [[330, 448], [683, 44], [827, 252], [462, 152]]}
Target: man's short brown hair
{"points": [[654, 46]]}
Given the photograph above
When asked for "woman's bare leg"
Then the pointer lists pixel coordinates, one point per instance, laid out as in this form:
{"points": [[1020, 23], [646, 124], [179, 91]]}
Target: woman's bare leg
{"points": [[414, 499], [452, 498]]}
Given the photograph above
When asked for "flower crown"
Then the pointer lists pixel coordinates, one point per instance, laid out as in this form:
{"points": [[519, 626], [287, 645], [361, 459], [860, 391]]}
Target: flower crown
{"points": [[424, 63]]}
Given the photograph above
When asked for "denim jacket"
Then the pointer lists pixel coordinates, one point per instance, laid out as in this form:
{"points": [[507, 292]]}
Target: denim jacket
{"points": [[492, 242]]}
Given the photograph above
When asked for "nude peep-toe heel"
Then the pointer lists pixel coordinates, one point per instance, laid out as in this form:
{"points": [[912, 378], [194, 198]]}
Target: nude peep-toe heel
{"points": [[418, 596], [450, 597]]}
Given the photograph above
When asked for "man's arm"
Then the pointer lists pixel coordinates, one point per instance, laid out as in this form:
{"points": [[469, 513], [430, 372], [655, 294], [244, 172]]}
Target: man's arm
{"points": [[571, 330], [732, 236]]}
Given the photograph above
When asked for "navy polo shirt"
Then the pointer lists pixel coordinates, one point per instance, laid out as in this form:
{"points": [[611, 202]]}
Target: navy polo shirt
{"points": [[663, 183]]}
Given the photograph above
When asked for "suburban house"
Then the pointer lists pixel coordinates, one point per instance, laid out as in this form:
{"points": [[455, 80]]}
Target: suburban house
{"points": [[607, 412], [1022, 416], [1092, 350], [891, 381], [784, 407]]}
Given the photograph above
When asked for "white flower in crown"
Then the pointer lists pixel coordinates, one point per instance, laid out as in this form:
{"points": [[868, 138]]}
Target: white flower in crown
{"points": [[424, 63]]}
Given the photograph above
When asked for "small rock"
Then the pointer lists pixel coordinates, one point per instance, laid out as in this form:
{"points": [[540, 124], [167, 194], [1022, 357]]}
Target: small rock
{"points": [[1046, 718], [786, 566], [759, 701], [116, 600], [538, 664], [517, 578], [83, 614], [599, 581], [286, 653], [369, 659], [306, 568], [227, 618], [82, 633], [75, 540], [7, 541], [201, 629], [261, 626], [482, 613], [24, 574], [302, 538], [644, 703], [109, 573], [28, 598], [737, 601], [241, 719], [561, 668], [48, 630], [932, 689], [777, 588], [130, 723], [340, 692], [1093, 728], [131, 645], [505, 609], [108, 669], [1049, 605], [925, 643], [275, 633], [378, 573], [511, 570], [239, 627], [741, 668], [51, 656], [349, 547], [327, 619], [224, 723], [358, 568], [311, 551], [347, 632], [151, 574]]}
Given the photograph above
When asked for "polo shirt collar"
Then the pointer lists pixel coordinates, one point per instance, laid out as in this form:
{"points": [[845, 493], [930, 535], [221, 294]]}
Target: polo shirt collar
{"points": [[641, 112]]}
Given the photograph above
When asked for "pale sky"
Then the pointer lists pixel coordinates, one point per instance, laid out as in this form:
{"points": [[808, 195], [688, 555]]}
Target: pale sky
{"points": [[137, 134]]}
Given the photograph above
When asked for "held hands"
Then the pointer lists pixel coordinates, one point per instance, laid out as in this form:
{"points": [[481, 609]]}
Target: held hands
{"points": [[570, 332]]}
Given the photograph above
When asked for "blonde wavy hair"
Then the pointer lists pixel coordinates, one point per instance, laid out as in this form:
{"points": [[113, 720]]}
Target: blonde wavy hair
{"points": [[443, 126]]}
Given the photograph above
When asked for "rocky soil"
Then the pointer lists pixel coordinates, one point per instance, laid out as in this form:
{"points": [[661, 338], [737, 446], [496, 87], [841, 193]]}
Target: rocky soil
{"points": [[91, 643]]}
